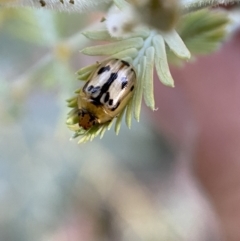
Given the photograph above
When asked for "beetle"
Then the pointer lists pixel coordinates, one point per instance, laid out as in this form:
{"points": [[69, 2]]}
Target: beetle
{"points": [[106, 92]]}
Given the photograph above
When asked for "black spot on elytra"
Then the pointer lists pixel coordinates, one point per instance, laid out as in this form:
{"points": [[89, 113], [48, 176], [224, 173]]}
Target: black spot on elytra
{"points": [[125, 62], [104, 89], [116, 106], [90, 88], [71, 1], [106, 98], [61, 1], [132, 88], [124, 83], [106, 86], [103, 69], [132, 69], [43, 3], [96, 102], [110, 102], [93, 89]]}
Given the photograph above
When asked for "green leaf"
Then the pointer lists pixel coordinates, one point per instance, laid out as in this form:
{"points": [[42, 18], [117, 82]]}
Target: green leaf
{"points": [[88, 68], [128, 117], [98, 34], [161, 62], [84, 76], [72, 103], [148, 76], [103, 35], [119, 121], [113, 48], [176, 44], [203, 31], [137, 98], [132, 52]]}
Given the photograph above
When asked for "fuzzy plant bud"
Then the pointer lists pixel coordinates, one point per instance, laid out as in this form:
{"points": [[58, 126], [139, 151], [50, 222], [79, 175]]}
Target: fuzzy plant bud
{"points": [[159, 14], [122, 22], [124, 19]]}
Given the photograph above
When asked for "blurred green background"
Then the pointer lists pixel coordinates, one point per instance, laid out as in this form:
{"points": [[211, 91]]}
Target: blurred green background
{"points": [[122, 188]]}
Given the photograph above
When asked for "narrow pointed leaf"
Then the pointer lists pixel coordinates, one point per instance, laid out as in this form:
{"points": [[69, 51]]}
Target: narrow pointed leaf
{"points": [[161, 62], [88, 68], [73, 103], [132, 52], [118, 122], [137, 98], [84, 76], [148, 76], [176, 44], [104, 128], [100, 34], [128, 117], [114, 48]]}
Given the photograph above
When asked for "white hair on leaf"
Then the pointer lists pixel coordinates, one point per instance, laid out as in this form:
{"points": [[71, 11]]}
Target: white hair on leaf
{"points": [[192, 3], [62, 5]]}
